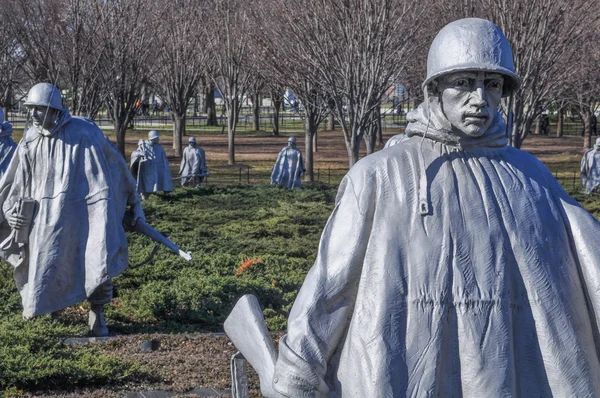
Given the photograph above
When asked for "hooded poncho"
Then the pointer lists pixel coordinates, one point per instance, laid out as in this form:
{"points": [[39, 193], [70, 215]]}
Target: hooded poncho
{"points": [[490, 290], [7, 146], [81, 186], [590, 168], [193, 164], [153, 171], [288, 169]]}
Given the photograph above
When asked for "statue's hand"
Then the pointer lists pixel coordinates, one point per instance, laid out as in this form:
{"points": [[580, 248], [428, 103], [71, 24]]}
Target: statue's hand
{"points": [[138, 213], [15, 220]]}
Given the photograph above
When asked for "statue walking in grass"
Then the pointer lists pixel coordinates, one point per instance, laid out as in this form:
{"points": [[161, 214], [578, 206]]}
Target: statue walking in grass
{"points": [[7, 144], [193, 164], [452, 265], [63, 199], [289, 166], [150, 166], [590, 168]]}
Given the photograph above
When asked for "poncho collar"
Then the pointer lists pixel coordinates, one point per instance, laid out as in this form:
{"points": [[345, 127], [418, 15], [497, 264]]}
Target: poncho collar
{"points": [[436, 127], [63, 118]]}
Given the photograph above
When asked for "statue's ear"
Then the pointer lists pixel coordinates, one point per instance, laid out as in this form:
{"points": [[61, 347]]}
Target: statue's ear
{"points": [[433, 87]]}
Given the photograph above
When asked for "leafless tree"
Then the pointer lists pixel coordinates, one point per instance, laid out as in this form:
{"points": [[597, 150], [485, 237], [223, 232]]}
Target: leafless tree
{"points": [[128, 38], [179, 61], [227, 43], [11, 65], [544, 36]]}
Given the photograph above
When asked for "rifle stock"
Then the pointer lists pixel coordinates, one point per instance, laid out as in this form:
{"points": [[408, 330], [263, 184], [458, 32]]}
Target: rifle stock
{"points": [[246, 328]]}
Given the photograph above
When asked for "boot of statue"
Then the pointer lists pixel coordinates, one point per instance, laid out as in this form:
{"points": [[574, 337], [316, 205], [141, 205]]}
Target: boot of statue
{"points": [[96, 321]]}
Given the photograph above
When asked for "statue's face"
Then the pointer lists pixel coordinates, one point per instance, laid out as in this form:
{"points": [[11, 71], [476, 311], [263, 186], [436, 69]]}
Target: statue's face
{"points": [[470, 100], [192, 144], [154, 141], [43, 116]]}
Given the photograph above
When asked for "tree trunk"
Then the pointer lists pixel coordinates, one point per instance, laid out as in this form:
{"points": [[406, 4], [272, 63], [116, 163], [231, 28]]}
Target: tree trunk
{"points": [[538, 129], [196, 105], [276, 107], [379, 129], [316, 140], [211, 107], [331, 121], [559, 124], [178, 133], [586, 117], [353, 148], [120, 129], [231, 126], [255, 112], [5, 110], [371, 138], [309, 132]]}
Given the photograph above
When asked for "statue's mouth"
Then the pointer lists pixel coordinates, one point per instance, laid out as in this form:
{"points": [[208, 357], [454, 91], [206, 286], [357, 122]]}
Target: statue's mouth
{"points": [[476, 117]]}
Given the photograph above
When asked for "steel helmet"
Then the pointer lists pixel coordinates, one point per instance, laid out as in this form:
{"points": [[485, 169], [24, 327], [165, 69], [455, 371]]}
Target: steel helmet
{"points": [[153, 134], [471, 44], [45, 94], [192, 139], [292, 139]]}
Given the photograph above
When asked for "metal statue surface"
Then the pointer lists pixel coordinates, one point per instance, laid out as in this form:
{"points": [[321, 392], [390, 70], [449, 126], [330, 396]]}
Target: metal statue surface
{"points": [[289, 166], [452, 265], [590, 168], [150, 166], [7, 144], [193, 164], [63, 198]]}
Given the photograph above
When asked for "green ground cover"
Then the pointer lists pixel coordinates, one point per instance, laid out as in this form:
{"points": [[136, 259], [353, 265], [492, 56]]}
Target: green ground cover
{"points": [[275, 232]]}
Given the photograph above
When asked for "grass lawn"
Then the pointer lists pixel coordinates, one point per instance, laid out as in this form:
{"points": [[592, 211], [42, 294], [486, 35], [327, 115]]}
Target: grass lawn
{"points": [[245, 238]]}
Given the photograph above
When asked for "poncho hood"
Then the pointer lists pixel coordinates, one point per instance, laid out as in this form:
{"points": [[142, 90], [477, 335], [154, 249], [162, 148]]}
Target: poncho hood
{"points": [[436, 127]]}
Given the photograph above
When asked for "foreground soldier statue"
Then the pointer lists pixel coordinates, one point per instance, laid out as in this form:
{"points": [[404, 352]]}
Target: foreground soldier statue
{"points": [[452, 265], [150, 166], [289, 166], [63, 199], [590, 168], [7, 144], [193, 164]]}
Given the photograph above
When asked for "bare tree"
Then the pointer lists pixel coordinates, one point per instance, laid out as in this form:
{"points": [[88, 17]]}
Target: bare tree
{"points": [[228, 45], [180, 60], [128, 38], [11, 65]]}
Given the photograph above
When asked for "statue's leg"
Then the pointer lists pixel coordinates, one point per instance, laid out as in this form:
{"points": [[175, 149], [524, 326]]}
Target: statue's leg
{"points": [[101, 296]]}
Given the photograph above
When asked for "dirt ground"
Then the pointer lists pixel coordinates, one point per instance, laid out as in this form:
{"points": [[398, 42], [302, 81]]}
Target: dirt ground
{"points": [[192, 361]]}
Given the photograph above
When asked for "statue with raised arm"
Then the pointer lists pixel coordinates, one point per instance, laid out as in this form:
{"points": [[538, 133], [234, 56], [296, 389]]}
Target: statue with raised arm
{"points": [[150, 166], [63, 199], [289, 166], [193, 164], [452, 265], [590, 168]]}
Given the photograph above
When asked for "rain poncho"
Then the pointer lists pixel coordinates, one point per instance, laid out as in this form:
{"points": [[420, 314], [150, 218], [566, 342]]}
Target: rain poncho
{"points": [[7, 146], [590, 168], [193, 164], [150, 166], [288, 169], [449, 267], [81, 186]]}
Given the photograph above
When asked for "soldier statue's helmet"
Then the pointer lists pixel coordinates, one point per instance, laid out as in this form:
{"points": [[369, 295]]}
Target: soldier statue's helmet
{"points": [[192, 139], [472, 44], [153, 134], [292, 139], [45, 94]]}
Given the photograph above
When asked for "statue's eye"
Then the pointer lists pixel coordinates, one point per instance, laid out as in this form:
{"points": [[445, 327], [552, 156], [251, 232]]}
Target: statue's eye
{"points": [[494, 84], [462, 83]]}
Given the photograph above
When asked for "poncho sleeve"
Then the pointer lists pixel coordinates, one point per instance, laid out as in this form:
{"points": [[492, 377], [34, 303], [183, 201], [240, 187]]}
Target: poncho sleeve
{"points": [[319, 319]]}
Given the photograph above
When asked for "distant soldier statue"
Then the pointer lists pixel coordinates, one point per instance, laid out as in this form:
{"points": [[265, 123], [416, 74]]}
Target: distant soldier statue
{"points": [[150, 166], [453, 265], [63, 199], [590, 168], [193, 164], [289, 166], [7, 144]]}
